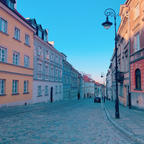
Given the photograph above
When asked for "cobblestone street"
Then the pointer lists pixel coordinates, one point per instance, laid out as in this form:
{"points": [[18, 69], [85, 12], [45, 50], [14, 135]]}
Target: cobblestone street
{"points": [[75, 122]]}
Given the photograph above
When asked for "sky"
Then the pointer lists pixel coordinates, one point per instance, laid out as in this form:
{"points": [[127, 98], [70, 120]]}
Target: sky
{"points": [[75, 27]]}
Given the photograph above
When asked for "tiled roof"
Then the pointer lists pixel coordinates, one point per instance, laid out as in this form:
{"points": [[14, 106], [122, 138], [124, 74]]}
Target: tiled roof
{"points": [[87, 79]]}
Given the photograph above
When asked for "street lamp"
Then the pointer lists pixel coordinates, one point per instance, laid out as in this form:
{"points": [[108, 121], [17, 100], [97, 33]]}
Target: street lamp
{"points": [[107, 24]]}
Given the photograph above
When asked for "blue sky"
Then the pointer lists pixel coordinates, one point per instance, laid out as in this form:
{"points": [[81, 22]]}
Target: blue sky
{"points": [[75, 26]]}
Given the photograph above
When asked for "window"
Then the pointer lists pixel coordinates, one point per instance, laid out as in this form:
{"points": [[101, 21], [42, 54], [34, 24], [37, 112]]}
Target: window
{"points": [[47, 55], [46, 90], [26, 86], [2, 86], [138, 79], [59, 89], [3, 54], [10, 4], [39, 91], [45, 37], [39, 52], [15, 87], [39, 67], [3, 25], [16, 58], [17, 34], [136, 11], [56, 89], [59, 60], [40, 33], [27, 39], [52, 56], [46, 70], [26, 61], [137, 42]]}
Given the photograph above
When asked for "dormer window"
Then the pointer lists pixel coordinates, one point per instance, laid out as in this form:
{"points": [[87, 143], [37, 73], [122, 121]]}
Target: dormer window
{"points": [[11, 3], [45, 37], [40, 33]]}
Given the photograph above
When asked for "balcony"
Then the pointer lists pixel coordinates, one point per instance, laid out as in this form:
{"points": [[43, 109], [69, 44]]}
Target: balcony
{"points": [[137, 56]]}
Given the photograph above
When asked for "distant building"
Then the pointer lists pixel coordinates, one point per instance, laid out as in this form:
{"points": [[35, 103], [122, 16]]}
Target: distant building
{"points": [[89, 87], [98, 90], [81, 85], [109, 91], [67, 67], [72, 82]]}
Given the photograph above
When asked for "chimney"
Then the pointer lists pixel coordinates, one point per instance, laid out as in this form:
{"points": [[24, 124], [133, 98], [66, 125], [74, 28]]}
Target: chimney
{"points": [[52, 43]]}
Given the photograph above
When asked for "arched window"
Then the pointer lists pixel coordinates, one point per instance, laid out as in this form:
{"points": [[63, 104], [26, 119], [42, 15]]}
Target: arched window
{"points": [[138, 79]]}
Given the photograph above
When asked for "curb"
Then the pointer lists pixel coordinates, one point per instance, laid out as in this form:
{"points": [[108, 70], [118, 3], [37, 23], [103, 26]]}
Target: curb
{"points": [[121, 129]]}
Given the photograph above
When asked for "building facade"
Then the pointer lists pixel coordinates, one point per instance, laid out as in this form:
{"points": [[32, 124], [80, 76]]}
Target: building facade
{"points": [[16, 56], [80, 86], [109, 93], [130, 54], [67, 67], [89, 87], [48, 67], [74, 83], [136, 32]]}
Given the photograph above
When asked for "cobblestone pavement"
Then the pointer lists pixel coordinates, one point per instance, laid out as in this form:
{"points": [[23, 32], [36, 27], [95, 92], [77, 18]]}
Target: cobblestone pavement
{"points": [[130, 119], [75, 122]]}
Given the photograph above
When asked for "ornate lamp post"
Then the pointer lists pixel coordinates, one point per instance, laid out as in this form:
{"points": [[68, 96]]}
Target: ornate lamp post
{"points": [[107, 24]]}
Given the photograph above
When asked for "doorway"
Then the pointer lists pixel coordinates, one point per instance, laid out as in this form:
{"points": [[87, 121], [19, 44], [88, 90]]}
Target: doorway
{"points": [[51, 95]]}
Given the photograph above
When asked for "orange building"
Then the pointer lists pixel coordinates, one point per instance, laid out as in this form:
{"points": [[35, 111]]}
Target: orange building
{"points": [[16, 56], [131, 53]]}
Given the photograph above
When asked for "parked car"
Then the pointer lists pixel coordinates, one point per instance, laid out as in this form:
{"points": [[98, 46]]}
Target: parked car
{"points": [[97, 100]]}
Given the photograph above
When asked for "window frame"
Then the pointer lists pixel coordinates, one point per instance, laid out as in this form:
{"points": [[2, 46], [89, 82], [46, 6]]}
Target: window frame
{"points": [[39, 91], [3, 56], [2, 87], [27, 39], [138, 79], [137, 42], [3, 25], [15, 88], [136, 11], [26, 61], [16, 61], [17, 33], [46, 90], [26, 84]]}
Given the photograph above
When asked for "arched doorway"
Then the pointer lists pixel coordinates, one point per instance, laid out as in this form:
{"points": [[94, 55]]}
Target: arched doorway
{"points": [[51, 95]]}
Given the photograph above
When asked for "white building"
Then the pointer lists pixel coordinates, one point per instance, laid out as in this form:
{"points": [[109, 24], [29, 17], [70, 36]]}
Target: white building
{"points": [[47, 83]]}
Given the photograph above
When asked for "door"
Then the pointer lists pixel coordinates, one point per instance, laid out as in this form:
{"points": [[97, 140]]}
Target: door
{"points": [[129, 97], [51, 95]]}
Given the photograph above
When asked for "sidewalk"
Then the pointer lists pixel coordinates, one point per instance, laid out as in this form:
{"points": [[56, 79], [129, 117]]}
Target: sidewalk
{"points": [[131, 121]]}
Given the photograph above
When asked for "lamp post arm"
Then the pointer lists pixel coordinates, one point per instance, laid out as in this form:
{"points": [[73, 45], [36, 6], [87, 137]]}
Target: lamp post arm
{"points": [[110, 12]]}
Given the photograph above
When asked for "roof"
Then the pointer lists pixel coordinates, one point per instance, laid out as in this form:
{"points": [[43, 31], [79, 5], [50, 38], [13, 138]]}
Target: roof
{"points": [[87, 79], [97, 83], [16, 12]]}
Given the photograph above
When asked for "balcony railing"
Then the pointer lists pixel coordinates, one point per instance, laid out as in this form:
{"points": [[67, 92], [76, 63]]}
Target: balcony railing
{"points": [[137, 55]]}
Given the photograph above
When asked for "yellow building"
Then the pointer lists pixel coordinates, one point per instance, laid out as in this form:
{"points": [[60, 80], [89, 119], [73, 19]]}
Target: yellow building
{"points": [[16, 56]]}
